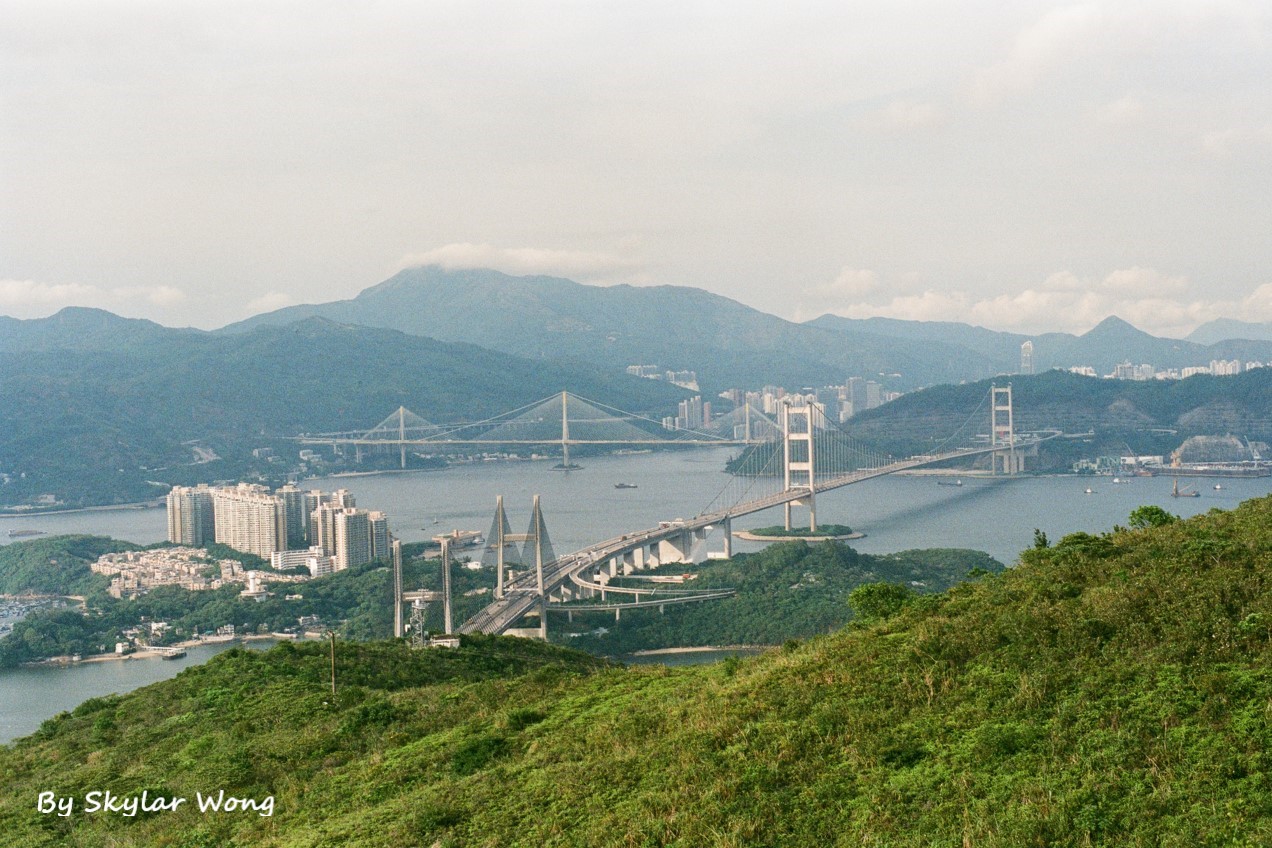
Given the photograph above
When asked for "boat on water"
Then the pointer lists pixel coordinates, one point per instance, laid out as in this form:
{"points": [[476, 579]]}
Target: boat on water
{"points": [[947, 483], [1218, 487], [1089, 491], [1185, 492], [173, 655], [625, 486], [19, 533]]}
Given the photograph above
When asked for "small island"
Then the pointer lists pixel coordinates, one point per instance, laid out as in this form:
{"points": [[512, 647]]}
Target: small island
{"points": [[835, 532]]}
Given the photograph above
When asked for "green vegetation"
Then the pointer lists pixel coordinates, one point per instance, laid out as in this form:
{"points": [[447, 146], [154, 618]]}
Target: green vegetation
{"points": [[1110, 690], [55, 565], [356, 602], [822, 530], [112, 409], [789, 590], [1117, 416]]}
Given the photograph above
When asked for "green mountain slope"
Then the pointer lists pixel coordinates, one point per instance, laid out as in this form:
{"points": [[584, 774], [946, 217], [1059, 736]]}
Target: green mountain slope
{"points": [[1125, 417], [93, 419], [1110, 690]]}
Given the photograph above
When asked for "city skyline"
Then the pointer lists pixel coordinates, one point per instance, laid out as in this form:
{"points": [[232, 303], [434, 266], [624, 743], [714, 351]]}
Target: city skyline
{"points": [[1029, 168]]}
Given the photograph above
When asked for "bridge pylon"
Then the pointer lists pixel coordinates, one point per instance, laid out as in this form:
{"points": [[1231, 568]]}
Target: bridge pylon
{"points": [[1003, 432], [797, 452], [537, 547]]}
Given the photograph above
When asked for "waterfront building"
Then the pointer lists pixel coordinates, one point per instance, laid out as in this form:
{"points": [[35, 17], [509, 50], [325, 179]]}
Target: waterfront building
{"points": [[250, 519], [297, 515], [381, 539], [191, 519], [352, 538]]}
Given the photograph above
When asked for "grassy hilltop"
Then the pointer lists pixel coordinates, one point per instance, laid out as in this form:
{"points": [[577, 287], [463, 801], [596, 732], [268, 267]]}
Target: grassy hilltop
{"points": [[1111, 689]]}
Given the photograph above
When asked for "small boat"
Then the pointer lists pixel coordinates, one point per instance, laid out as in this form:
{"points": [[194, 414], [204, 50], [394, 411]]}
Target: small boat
{"points": [[1089, 491], [17, 534], [174, 655], [1218, 487], [946, 483], [625, 486]]}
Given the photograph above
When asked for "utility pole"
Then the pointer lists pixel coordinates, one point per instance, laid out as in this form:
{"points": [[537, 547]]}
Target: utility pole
{"points": [[332, 634]]}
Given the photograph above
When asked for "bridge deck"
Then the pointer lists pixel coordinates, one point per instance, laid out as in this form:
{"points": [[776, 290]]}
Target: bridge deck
{"points": [[521, 597]]}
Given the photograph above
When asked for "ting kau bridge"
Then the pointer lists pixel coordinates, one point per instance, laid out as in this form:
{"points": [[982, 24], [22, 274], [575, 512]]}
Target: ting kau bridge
{"points": [[786, 460]]}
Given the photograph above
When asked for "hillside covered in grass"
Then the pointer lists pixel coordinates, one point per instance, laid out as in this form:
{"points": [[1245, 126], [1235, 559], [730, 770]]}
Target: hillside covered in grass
{"points": [[1111, 689]]}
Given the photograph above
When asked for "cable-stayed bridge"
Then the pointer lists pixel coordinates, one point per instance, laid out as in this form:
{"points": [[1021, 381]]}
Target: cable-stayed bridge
{"points": [[564, 419], [785, 462]]}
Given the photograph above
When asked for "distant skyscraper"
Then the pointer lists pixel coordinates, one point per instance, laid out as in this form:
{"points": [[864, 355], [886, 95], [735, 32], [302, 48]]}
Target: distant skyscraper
{"points": [[190, 516], [1026, 358]]}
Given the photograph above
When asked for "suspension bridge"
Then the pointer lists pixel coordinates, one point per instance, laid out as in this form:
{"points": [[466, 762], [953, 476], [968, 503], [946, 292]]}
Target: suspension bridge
{"points": [[786, 462]]}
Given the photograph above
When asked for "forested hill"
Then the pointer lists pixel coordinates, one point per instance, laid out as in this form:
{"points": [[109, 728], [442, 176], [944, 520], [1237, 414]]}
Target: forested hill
{"points": [[1110, 690], [102, 404], [1136, 416]]}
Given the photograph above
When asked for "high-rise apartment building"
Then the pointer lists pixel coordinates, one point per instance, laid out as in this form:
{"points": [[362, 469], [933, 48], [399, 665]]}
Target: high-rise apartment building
{"points": [[1026, 358], [378, 526], [249, 519], [294, 505], [353, 538], [190, 516]]}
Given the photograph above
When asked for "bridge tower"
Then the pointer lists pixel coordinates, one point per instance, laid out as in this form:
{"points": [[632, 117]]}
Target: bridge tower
{"points": [[401, 413], [1003, 431], [537, 536], [797, 452], [446, 587]]}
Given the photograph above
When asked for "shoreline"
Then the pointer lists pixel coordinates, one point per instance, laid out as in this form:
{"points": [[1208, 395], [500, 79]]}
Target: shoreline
{"points": [[748, 536], [147, 654], [35, 513]]}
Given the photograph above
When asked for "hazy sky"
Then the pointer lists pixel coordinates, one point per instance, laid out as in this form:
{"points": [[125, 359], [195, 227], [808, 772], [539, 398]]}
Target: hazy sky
{"points": [[1022, 166]]}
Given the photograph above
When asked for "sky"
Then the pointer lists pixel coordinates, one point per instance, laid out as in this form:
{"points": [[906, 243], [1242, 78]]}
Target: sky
{"points": [[1024, 166]]}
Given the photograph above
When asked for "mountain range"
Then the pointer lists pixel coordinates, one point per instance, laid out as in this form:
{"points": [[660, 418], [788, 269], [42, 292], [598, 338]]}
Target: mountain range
{"points": [[105, 404], [727, 343]]}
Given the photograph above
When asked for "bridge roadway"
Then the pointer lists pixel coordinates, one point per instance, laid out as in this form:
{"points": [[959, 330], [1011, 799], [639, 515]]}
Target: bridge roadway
{"points": [[521, 595]]}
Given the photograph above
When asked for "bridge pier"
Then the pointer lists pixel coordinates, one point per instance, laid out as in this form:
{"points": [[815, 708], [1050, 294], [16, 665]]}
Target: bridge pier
{"points": [[728, 538]]}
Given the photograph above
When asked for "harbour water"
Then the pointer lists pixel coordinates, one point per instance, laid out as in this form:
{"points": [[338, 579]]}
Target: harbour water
{"points": [[583, 506]]}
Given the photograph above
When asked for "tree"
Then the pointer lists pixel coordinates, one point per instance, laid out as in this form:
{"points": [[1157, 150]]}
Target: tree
{"points": [[1150, 516], [877, 601]]}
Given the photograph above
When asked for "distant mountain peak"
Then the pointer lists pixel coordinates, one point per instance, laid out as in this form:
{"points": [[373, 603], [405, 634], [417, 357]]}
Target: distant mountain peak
{"points": [[1115, 326]]}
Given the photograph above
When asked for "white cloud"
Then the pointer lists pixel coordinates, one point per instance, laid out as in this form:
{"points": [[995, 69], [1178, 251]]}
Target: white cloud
{"points": [[33, 299], [909, 115], [1149, 299], [1056, 38], [577, 265], [1234, 140], [1143, 282], [1126, 111], [268, 302]]}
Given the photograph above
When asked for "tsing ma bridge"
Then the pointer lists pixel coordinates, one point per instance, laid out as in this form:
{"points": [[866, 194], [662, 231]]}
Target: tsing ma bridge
{"points": [[802, 456]]}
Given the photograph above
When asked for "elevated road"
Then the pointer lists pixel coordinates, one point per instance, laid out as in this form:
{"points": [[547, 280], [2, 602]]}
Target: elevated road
{"points": [[521, 596]]}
